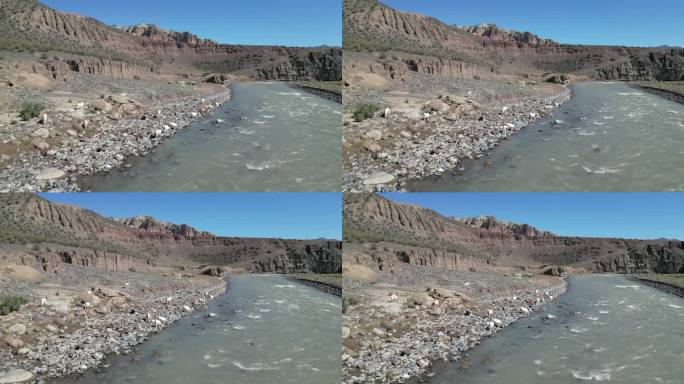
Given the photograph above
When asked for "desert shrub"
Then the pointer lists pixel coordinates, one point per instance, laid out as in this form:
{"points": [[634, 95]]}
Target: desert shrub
{"points": [[30, 110], [348, 301], [364, 111], [10, 304]]}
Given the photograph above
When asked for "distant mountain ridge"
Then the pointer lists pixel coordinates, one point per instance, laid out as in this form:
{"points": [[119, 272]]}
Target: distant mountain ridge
{"points": [[53, 234], [87, 45], [425, 237], [427, 45]]}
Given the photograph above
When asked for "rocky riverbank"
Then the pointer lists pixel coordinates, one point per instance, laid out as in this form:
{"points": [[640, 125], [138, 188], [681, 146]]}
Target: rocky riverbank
{"points": [[431, 136], [663, 286], [393, 338], [63, 330], [320, 285], [330, 90], [77, 138], [673, 90]]}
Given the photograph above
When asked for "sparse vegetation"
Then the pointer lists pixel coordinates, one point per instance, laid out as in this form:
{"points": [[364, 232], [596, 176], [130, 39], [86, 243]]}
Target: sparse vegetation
{"points": [[364, 111], [30, 110], [10, 304], [348, 301]]}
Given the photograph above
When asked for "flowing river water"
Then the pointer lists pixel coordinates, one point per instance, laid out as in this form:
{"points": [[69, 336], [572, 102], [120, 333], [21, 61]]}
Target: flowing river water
{"points": [[267, 330], [607, 328], [273, 138], [612, 138]]}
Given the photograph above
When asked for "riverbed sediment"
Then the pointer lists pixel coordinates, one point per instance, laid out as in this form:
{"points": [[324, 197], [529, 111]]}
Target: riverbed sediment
{"points": [[66, 330], [391, 340], [98, 135], [426, 136]]}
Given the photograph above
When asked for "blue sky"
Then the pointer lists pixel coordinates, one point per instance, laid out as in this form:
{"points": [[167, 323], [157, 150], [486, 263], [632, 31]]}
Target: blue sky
{"points": [[611, 22], [266, 22], [283, 215], [627, 215]]}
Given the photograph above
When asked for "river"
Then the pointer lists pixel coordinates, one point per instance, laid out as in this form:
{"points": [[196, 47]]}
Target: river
{"points": [[273, 138], [267, 330], [612, 138], [607, 328]]}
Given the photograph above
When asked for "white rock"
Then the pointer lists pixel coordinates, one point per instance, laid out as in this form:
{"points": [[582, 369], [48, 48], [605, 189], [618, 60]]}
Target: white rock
{"points": [[169, 299], [525, 310], [173, 124], [378, 178], [162, 319], [497, 322], [374, 134], [18, 328], [550, 317], [43, 133], [194, 114], [50, 174], [187, 309], [219, 121], [12, 376], [212, 314], [167, 128]]}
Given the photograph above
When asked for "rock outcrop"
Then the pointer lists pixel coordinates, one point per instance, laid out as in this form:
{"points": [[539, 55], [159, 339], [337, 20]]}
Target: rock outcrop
{"points": [[57, 234], [426, 45], [86, 45], [411, 234], [664, 66]]}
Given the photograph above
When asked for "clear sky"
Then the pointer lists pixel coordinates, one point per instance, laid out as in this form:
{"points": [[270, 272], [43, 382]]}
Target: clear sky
{"points": [[265, 22], [283, 215], [603, 22], [627, 215]]}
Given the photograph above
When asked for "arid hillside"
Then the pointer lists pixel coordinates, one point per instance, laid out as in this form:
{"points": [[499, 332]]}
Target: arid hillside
{"points": [[63, 42], [391, 233], [45, 235], [386, 41]]}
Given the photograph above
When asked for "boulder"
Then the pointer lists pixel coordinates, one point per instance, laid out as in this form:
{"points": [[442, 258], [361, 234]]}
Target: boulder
{"points": [[13, 342], [378, 178], [373, 148], [43, 133], [558, 79], [374, 134], [437, 106], [101, 105], [217, 79], [555, 271], [346, 332], [18, 329], [50, 174], [214, 271], [423, 299], [12, 376]]}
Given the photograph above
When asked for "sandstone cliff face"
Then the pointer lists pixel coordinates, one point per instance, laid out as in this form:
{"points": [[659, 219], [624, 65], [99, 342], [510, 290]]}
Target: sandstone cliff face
{"points": [[664, 66], [424, 44], [410, 234], [59, 234], [86, 45], [325, 65]]}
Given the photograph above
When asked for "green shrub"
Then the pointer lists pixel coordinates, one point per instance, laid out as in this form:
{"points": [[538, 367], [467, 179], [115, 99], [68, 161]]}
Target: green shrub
{"points": [[10, 304], [30, 110], [364, 111], [348, 301]]}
